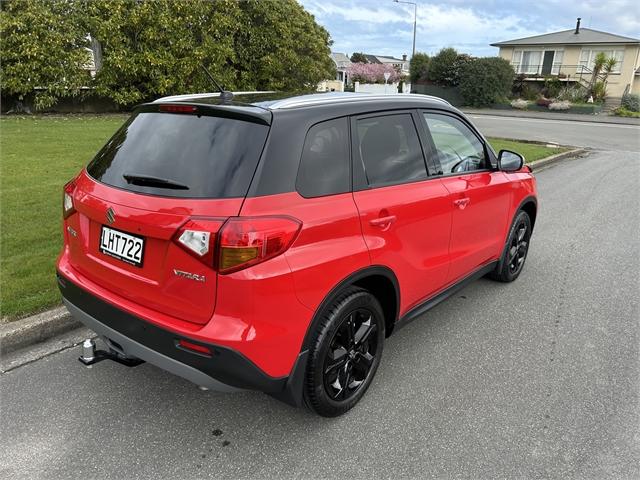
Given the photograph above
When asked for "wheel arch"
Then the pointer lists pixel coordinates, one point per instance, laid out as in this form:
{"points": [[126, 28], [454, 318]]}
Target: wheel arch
{"points": [[530, 206], [377, 279]]}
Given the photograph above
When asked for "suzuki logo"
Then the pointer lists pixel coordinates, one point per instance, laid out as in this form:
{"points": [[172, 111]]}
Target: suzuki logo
{"points": [[111, 216]]}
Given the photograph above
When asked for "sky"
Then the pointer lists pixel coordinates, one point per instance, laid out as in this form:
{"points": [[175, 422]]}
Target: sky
{"points": [[383, 27]]}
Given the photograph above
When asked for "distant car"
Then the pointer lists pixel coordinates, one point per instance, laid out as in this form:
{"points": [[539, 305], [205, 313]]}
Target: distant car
{"points": [[273, 243]]}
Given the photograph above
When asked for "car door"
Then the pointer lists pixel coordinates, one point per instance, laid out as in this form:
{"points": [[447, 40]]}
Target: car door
{"points": [[480, 194], [405, 214]]}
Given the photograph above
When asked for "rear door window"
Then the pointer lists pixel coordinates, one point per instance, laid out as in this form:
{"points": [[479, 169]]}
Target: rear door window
{"points": [[390, 150], [178, 155], [324, 166]]}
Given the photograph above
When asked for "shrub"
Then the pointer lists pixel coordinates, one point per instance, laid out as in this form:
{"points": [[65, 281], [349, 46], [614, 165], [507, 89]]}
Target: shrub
{"points": [[483, 81], [631, 102], [530, 92], [419, 67], [520, 104], [623, 112], [543, 102], [442, 67], [552, 87], [575, 94], [599, 91], [559, 105]]}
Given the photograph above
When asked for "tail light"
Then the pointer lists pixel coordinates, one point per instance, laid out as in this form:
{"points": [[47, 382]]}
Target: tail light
{"points": [[246, 241], [198, 237], [238, 243], [67, 199]]}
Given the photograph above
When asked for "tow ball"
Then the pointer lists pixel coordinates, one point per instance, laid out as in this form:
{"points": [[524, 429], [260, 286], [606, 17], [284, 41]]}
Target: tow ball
{"points": [[91, 356]]}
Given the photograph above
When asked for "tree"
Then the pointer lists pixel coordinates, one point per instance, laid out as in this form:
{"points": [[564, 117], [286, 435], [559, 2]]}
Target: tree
{"points": [[442, 67], [419, 67], [372, 73], [152, 48], [155, 48], [359, 57], [43, 50], [285, 49], [484, 81]]}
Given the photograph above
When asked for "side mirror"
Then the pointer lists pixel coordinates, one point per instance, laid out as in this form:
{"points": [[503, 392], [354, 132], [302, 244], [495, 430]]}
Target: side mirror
{"points": [[509, 161]]}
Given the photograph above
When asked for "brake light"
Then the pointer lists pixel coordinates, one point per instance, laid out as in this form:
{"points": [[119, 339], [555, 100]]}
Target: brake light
{"points": [[67, 199], [178, 108], [246, 241], [198, 236]]}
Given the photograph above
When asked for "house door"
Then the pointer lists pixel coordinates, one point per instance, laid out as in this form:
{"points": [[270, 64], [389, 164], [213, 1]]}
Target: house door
{"points": [[547, 62]]}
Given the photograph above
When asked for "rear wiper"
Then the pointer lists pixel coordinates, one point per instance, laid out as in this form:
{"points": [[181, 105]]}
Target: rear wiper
{"points": [[149, 181]]}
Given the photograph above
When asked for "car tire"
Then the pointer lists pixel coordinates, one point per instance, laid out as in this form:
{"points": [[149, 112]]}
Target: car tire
{"points": [[515, 250], [345, 353]]}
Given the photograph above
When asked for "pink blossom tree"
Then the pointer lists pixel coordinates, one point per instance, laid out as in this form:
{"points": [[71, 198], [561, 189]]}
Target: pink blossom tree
{"points": [[372, 73]]}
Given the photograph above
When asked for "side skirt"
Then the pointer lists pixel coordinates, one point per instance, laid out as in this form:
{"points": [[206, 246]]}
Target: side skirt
{"points": [[428, 304]]}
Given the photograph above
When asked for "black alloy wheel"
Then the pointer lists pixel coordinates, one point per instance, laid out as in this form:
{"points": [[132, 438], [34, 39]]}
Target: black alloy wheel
{"points": [[351, 355], [518, 247], [348, 339]]}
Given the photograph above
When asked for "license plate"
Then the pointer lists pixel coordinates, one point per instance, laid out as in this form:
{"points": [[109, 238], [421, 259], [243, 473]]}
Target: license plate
{"points": [[123, 246]]}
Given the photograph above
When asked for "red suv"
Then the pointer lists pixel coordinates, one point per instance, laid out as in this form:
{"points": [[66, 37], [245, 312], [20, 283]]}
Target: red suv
{"points": [[273, 243]]}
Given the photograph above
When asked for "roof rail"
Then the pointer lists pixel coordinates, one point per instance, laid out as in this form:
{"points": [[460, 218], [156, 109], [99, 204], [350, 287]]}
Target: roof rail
{"points": [[356, 97]]}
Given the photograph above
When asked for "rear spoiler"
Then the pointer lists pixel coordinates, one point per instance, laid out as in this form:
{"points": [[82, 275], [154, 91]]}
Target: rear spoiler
{"points": [[237, 111]]}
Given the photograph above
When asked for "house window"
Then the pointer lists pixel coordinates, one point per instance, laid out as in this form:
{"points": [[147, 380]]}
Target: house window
{"points": [[588, 58], [537, 62], [557, 62]]}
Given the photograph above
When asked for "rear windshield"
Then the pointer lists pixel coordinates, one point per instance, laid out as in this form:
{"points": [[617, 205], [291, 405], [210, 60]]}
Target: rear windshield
{"points": [[178, 155]]}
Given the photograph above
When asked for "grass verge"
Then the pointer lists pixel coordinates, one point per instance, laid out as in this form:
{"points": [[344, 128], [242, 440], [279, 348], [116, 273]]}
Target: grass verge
{"points": [[38, 155]]}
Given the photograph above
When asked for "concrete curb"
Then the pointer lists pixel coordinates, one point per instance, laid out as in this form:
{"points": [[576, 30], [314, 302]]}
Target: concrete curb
{"points": [[35, 329], [538, 164], [568, 117], [43, 326]]}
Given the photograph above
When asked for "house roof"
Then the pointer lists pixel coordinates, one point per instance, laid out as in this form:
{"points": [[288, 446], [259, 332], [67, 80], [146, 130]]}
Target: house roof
{"points": [[340, 59], [383, 59], [568, 37]]}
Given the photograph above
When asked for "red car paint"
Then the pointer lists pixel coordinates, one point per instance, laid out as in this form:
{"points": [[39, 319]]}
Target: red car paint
{"points": [[429, 233]]}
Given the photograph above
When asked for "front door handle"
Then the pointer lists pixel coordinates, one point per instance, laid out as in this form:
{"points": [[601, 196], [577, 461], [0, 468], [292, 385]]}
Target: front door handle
{"points": [[461, 203], [383, 222]]}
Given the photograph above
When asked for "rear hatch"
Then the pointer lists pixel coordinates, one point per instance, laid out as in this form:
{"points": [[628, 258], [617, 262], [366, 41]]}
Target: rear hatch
{"points": [[152, 200]]}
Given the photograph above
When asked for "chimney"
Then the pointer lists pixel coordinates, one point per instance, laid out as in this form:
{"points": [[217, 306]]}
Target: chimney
{"points": [[577, 26], [404, 57]]}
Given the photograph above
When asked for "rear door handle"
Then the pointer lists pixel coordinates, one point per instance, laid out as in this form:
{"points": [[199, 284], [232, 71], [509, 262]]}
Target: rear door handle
{"points": [[461, 203], [383, 222]]}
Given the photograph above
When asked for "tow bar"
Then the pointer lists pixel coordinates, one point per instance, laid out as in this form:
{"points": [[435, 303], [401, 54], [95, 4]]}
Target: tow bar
{"points": [[91, 356]]}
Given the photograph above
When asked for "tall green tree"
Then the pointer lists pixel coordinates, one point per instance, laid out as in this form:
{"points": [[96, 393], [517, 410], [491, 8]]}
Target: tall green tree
{"points": [[155, 48], [151, 48], [358, 57], [280, 47], [442, 66], [419, 67], [42, 51]]}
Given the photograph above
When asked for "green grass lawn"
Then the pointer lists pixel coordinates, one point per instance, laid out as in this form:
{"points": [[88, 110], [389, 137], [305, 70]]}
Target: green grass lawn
{"points": [[38, 155], [530, 151]]}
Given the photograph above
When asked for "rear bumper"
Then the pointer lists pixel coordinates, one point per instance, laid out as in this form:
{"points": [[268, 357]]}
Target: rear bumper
{"points": [[225, 370]]}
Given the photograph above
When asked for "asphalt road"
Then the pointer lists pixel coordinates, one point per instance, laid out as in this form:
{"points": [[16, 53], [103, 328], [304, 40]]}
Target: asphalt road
{"points": [[601, 136], [535, 379]]}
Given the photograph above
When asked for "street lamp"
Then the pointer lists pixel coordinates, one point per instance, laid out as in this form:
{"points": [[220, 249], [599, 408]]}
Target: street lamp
{"points": [[415, 19]]}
